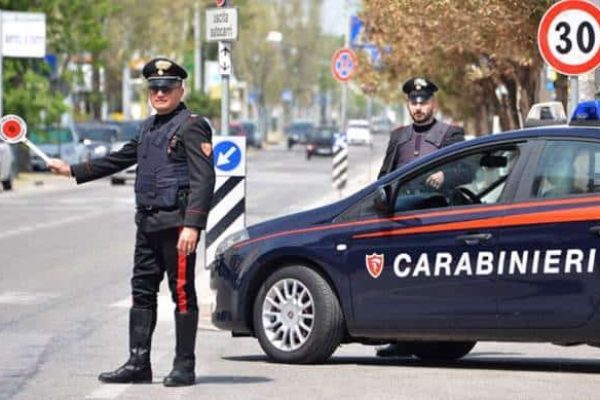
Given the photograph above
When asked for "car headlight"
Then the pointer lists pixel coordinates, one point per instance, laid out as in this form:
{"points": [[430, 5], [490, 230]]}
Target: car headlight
{"points": [[231, 240]]}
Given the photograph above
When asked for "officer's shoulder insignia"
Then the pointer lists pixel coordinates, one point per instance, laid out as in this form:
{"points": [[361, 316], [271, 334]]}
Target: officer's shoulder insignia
{"points": [[206, 148]]}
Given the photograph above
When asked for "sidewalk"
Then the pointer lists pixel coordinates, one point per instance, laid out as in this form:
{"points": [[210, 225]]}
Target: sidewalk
{"points": [[28, 181]]}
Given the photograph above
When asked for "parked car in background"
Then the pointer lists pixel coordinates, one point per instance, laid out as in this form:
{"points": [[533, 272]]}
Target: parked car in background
{"points": [[127, 130], [248, 130], [97, 137], [321, 141], [63, 143], [381, 125], [7, 166], [298, 132], [358, 132]]}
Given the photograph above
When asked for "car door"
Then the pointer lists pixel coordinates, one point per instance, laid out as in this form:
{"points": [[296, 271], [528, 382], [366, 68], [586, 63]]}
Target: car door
{"points": [[551, 244], [430, 263]]}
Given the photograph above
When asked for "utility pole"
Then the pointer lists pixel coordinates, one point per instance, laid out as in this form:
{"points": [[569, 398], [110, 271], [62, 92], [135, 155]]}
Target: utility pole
{"points": [[198, 84]]}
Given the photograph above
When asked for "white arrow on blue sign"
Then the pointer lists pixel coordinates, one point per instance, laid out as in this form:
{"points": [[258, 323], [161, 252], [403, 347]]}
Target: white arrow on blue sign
{"points": [[229, 155]]}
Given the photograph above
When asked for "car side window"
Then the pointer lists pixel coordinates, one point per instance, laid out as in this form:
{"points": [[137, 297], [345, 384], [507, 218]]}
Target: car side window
{"points": [[567, 168], [477, 178]]}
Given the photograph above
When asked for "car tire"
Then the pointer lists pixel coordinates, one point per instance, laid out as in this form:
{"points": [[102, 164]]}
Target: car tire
{"points": [[7, 185], [283, 334], [442, 351], [117, 181]]}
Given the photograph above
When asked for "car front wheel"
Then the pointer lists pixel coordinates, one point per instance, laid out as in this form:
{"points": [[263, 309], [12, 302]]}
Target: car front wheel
{"points": [[297, 317], [441, 350]]}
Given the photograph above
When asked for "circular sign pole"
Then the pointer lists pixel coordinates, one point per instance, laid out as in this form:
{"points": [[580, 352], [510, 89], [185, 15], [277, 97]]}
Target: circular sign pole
{"points": [[343, 66], [13, 129]]}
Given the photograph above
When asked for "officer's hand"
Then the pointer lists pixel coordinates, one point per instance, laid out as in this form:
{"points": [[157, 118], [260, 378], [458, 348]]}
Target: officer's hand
{"points": [[435, 180], [59, 167], [188, 240]]}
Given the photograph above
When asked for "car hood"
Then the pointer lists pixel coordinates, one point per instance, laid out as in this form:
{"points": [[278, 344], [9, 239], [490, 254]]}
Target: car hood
{"points": [[301, 220]]}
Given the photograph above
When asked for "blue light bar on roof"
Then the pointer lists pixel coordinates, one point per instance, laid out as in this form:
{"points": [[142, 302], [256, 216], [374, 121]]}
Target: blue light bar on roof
{"points": [[586, 113]]}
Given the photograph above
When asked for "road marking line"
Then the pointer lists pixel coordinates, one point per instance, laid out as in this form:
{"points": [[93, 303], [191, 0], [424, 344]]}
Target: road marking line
{"points": [[108, 391], [26, 298], [51, 224]]}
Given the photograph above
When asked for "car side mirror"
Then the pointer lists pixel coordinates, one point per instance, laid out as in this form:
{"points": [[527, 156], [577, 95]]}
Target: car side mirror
{"points": [[381, 200]]}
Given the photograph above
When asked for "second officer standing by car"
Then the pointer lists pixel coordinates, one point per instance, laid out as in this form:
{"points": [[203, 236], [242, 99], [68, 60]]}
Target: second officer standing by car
{"points": [[174, 188], [425, 135]]}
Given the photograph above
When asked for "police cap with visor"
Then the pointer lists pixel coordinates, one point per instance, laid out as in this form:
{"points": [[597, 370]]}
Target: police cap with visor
{"points": [[161, 72], [419, 90]]}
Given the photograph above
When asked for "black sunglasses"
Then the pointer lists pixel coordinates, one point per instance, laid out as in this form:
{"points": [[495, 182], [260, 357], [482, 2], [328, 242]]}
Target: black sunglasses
{"points": [[165, 90]]}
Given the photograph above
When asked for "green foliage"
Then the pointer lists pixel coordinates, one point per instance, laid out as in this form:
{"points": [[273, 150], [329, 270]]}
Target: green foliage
{"points": [[28, 94], [203, 105]]}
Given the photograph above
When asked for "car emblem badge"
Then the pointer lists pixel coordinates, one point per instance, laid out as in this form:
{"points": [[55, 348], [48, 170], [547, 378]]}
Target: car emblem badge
{"points": [[374, 263]]}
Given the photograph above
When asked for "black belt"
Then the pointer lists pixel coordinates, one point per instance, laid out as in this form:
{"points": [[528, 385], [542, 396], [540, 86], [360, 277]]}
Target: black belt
{"points": [[153, 209]]}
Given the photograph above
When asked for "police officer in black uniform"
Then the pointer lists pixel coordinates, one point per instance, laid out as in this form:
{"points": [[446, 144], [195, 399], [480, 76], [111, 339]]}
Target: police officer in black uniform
{"points": [[174, 187], [425, 135]]}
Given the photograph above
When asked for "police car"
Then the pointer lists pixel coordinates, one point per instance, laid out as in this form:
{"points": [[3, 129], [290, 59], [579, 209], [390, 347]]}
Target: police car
{"points": [[507, 249]]}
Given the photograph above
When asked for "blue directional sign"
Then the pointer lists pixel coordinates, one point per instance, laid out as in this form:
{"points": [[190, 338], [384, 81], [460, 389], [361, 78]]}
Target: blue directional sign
{"points": [[229, 155]]}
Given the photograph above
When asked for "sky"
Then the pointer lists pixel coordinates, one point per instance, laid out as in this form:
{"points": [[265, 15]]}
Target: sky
{"points": [[333, 13]]}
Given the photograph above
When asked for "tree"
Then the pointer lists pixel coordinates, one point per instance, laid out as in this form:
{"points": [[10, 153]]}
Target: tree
{"points": [[482, 53]]}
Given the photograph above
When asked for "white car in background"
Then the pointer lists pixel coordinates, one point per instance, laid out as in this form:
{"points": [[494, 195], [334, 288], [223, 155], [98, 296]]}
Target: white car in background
{"points": [[358, 131], [6, 166]]}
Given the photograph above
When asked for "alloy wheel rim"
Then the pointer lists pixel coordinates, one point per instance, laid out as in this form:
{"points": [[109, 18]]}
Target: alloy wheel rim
{"points": [[288, 314]]}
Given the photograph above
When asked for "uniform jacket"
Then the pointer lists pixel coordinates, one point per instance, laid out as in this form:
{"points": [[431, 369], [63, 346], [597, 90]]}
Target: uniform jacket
{"points": [[401, 147], [193, 141]]}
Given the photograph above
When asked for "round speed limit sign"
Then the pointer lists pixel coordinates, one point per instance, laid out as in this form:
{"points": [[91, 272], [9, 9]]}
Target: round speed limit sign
{"points": [[569, 37]]}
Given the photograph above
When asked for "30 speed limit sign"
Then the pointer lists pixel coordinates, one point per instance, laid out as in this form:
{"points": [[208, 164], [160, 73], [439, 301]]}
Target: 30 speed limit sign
{"points": [[569, 37]]}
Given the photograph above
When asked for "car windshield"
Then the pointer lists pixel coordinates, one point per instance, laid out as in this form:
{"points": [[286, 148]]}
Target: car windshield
{"points": [[301, 129], [323, 133], [50, 136], [97, 133], [129, 130]]}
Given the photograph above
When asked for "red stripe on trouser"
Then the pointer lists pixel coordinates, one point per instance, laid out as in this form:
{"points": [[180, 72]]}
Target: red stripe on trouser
{"points": [[181, 281]]}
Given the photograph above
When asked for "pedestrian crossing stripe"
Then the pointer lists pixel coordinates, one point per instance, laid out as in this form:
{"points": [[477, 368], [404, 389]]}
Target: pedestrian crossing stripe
{"points": [[227, 212]]}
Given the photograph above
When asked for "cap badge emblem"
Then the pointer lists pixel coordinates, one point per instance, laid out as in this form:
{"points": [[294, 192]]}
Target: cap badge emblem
{"points": [[162, 65]]}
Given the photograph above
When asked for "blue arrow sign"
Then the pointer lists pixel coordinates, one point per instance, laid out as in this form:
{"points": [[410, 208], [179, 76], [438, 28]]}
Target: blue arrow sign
{"points": [[227, 156]]}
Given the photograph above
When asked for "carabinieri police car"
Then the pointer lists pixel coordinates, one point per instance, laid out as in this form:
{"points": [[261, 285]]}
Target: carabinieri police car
{"points": [[508, 249]]}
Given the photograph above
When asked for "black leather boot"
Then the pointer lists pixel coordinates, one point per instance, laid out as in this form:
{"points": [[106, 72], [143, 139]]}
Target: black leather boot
{"points": [[137, 369], [182, 374]]}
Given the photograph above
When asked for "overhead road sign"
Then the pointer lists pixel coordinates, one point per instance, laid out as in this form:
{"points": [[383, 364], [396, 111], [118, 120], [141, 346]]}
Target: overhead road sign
{"points": [[569, 37], [343, 64], [222, 24]]}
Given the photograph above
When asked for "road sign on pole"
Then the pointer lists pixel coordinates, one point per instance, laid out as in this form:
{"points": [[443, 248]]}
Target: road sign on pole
{"points": [[343, 64], [225, 58], [222, 24], [569, 37]]}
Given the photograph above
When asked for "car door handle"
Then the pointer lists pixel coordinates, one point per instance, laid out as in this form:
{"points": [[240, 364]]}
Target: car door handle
{"points": [[475, 238], [595, 230]]}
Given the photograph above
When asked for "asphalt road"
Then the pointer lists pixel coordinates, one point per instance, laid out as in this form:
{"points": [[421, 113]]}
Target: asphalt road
{"points": [[65, 260]]}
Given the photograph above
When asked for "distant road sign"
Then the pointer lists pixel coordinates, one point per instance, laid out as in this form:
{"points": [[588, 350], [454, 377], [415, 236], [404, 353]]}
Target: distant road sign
{"points": [[222, 24], [569, 37], [225, 58], [229, 155], [343, 64]]}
